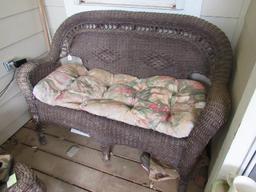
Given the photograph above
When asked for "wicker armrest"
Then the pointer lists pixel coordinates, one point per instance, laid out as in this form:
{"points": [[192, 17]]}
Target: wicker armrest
{"points": [[214, 116], [28, 76]]}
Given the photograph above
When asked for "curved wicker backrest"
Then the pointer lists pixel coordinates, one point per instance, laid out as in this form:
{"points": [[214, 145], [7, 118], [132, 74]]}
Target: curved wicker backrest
{"points": [[145, 44]]}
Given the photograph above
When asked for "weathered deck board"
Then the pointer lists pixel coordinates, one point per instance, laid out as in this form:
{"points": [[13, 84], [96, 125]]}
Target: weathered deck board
{"points": [[85, 171], [119, 150], [56, 185], [73, 173], [119, 167]]}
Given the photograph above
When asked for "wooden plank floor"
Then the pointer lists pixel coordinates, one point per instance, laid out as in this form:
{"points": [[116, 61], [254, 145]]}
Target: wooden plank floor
{"points": [[85, 171]]}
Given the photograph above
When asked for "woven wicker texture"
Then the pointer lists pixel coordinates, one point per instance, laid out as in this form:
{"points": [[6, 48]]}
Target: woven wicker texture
{"points": [[27, 181], [140, 44]]}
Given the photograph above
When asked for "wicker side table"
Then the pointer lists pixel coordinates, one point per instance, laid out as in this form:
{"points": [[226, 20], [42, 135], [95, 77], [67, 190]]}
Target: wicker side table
{"points": [[27, 181]]}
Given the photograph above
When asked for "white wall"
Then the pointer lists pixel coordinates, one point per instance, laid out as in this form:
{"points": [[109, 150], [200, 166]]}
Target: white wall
{"points": [[187, 7], [232, 149], [21, 36], [240, 137], [56, 14], [226, 14]]}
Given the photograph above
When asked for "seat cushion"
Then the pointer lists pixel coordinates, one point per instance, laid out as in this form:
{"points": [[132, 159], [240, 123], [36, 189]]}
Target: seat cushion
{"points": [[161, 103]]}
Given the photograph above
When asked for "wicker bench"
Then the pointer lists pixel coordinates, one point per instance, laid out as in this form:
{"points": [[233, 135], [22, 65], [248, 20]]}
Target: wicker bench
{"points": [[143, 45]]}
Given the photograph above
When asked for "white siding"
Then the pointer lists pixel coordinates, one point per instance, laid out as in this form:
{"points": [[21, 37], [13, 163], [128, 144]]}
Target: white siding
{"points": [[7, 7], [16, 28], [21, 36]]}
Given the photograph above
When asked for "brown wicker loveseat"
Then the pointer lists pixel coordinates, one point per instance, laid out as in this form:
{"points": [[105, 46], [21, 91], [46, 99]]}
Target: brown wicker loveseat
{"points": [[143, 45]]}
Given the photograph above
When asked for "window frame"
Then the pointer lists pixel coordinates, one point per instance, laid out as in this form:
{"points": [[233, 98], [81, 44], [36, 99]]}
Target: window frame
{"points": [[152, 4]]}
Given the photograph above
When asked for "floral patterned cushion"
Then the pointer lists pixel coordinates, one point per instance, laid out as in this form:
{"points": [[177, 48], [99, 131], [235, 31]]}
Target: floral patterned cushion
{"points": [[122, 93], [161, 103]]}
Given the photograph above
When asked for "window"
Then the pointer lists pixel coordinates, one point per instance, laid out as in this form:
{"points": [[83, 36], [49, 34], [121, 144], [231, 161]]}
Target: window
{"points": [[187, 7], [164, 4]]}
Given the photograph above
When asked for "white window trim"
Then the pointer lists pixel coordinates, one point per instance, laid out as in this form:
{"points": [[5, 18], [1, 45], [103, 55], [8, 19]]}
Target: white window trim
{"points": [[150, 4], [187, 7]]}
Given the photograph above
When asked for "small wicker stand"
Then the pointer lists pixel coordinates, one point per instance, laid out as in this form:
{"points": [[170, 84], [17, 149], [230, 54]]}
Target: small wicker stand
{"points": [[27, 181]]}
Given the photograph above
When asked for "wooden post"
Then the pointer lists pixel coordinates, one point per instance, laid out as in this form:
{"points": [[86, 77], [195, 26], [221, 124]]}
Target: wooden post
{"points": [[45, 24]]}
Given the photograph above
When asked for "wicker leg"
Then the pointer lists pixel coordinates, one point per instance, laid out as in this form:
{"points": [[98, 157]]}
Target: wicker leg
{"points": [[41, 137], [183, 184], [106, 152]]}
